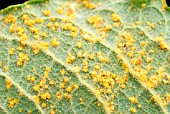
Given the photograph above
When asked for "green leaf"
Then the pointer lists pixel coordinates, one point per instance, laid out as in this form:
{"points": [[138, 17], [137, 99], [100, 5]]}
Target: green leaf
{"points": [[92, 57]]}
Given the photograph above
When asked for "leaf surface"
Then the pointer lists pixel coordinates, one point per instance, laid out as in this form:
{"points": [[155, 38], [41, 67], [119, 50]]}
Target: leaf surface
{"points": [[92, 57]]}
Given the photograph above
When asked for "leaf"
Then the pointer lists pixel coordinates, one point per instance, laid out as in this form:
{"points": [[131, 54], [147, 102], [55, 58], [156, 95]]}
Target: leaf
{"points": [[93, 57]]}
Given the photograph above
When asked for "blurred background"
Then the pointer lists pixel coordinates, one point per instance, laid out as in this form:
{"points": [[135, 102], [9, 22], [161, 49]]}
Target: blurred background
{"points": [[6, 3], [168, 2]]}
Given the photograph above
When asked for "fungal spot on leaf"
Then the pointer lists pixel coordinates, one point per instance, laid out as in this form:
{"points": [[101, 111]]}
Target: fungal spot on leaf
{"points": [[115, 17], [133, 100], [8, 83], [133, 110]]}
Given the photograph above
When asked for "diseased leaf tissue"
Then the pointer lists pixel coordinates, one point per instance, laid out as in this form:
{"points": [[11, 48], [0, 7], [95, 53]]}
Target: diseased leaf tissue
{"points": [[85, 56]]}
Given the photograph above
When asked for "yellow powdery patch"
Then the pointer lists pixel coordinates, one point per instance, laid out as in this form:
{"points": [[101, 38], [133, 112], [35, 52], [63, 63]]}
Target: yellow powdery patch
{"points": [[46, 12], [168, 96], [22, 58], [161, 43], [10, 19], [12, 103], [96, 21], [133, 110], [133, 100], [11, 51], [115, 17], [70, 58], [8, 83]]}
